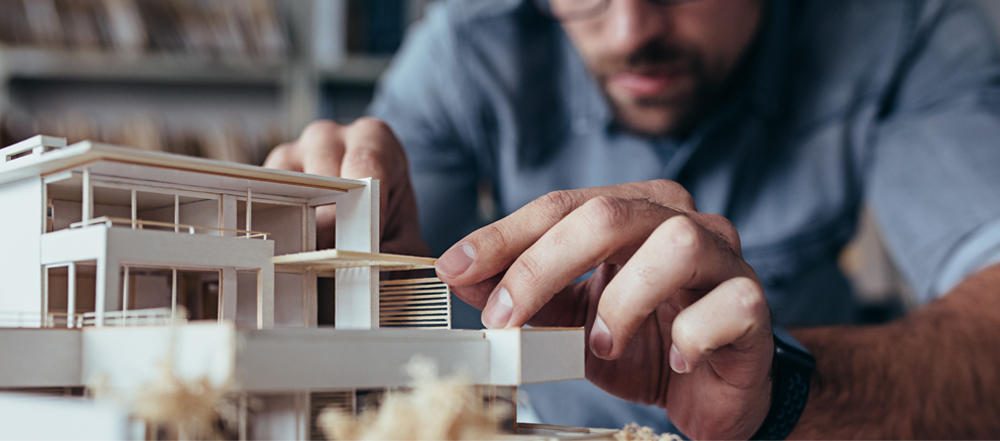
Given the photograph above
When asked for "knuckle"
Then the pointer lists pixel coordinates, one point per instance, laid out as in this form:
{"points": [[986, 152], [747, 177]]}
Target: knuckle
{"points": [[681, 336], [749, 295], [280, 153], [673, 194], [491, 238], [557, 204], [606, 213], [321, 129], [369, 125], [721, 223], [528, 270], [365, 159], [682, 232], [722, 226]]}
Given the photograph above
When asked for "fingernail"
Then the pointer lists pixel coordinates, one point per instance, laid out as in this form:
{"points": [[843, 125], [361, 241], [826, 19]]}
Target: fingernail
{"points": [[677, 362], [600, 338], [456, 260], [498, 314]]}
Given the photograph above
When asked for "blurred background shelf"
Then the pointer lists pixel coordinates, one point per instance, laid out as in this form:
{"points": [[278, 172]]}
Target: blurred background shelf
{"points": [[227, 79], [62, 64]]}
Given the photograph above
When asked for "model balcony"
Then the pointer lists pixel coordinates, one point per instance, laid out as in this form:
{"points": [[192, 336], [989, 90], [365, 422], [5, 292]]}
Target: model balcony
{"points": [[138, 224]]}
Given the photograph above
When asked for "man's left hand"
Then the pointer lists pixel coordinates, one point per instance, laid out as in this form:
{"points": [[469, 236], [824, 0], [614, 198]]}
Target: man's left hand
{"points": [[674, 315]]}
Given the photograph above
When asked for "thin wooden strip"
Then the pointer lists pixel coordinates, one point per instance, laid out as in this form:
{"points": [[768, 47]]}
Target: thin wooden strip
{"points": [[416, 314], [434, 320], [334, 257], [424, 313], [413, 293], [417, 307], [411, 302], [412, 283], [415, 322], [422, 318], [406, 281], [407, 297], [417, 327], [414, 287], [384, 313]]}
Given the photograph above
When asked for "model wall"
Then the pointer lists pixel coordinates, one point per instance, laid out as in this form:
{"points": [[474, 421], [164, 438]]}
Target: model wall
{"points": [[20, 268]]}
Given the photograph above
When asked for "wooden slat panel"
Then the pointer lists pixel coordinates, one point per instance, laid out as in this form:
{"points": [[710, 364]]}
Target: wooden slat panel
{"points": [[419, 303], [320, 401]]}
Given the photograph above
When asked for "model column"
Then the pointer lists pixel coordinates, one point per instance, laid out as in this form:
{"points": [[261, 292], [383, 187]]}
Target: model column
{"points": [[356, 299]]}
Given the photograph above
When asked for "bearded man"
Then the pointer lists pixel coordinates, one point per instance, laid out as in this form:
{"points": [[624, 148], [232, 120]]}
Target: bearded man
{"points": [[706, 160]]}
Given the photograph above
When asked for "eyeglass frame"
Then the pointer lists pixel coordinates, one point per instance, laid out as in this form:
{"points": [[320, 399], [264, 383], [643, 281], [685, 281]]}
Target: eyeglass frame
{"points": [[545, 8]]}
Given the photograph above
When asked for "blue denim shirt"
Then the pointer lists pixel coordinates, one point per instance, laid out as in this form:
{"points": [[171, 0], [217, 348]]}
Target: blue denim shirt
{"points": [[891, 103]]}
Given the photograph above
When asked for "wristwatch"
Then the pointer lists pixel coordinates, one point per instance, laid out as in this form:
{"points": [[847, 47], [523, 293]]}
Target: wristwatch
{"points": [[791, 370]]}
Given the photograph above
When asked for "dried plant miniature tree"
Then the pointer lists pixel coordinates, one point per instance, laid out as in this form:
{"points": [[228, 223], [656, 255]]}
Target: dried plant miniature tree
{"points": [[634, 432], [435, 409]]}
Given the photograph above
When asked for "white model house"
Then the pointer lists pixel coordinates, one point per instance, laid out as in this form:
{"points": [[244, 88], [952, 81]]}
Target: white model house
{"points": [[101, 247]]}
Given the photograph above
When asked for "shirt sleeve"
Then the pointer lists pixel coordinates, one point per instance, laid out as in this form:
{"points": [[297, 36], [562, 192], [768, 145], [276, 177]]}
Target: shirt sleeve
{"points": [[935, 178], [423, 98]]}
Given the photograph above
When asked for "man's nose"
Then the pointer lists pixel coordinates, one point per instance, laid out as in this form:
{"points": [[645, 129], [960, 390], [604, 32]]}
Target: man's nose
{"points": [[632, 23]]}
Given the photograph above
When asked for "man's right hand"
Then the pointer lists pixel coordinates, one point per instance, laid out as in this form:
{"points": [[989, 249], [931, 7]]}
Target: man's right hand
{"points": [[366, 148]]}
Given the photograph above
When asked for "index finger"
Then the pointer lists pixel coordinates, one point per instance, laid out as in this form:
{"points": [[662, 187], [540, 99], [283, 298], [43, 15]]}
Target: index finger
{"points": [[493, 248]]}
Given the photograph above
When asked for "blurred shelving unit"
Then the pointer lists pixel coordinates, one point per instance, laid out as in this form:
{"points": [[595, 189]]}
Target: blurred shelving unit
{"points": [[61, 64], [317, 69]]}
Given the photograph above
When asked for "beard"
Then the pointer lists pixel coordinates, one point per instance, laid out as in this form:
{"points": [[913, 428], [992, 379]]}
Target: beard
{"points": [[690, 88]]}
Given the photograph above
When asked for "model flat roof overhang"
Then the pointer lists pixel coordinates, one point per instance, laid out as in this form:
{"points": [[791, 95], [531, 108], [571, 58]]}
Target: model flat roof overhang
{"points": [[168, 169], [275, 360], [334, 259]]}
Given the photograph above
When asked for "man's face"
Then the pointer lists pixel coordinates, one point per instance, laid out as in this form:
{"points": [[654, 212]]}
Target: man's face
{"points": [[661, 66]]}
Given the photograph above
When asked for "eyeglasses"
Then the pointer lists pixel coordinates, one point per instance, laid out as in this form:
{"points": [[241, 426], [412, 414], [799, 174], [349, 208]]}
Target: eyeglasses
{"points": [[569, 10]]}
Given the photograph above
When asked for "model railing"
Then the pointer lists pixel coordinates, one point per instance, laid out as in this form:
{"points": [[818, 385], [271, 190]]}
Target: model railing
{"points": [[414, 303], [62, 320], [136, 317], [10, 319], [139, 224]]}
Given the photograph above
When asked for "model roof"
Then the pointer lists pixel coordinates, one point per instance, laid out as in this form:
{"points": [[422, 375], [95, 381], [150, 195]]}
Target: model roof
{"points": [[117, 161]]}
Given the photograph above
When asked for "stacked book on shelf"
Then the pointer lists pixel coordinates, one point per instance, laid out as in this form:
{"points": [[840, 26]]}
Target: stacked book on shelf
{"points": [[232, 141], [210, 28]]}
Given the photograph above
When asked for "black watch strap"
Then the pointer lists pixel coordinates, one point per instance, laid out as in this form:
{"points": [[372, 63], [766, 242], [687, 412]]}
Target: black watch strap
{"points": [[791, 372]]}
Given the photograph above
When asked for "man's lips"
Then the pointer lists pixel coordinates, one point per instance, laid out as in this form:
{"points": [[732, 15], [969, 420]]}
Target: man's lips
{"points": [[638, 85]]}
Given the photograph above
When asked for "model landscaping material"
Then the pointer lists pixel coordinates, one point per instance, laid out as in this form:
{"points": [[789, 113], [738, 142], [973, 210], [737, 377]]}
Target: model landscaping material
{"points": [[121, 266]]}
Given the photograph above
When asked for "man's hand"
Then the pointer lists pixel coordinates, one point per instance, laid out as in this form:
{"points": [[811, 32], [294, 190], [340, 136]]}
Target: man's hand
{"points": [[671, 289], [366, 148]]}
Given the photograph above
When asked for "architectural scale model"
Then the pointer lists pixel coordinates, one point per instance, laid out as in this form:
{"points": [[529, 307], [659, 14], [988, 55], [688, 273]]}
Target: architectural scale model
{"points": [[103, 247]]}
